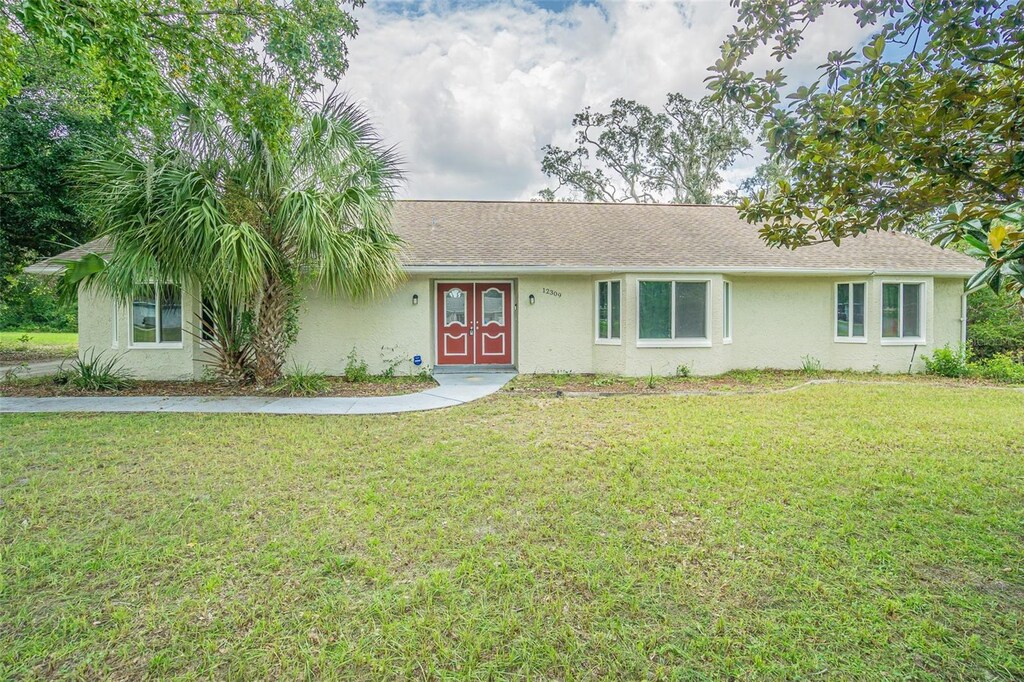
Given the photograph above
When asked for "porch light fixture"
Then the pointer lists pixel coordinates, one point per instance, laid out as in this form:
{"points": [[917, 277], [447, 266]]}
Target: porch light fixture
{"points": [[415, 299], [533, 299]]}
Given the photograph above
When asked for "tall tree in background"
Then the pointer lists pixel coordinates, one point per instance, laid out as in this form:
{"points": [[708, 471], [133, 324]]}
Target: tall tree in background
{"points": [[249, 221], [74, 69], [926, 122], [632, 154], [243, 57], [43, 130]]}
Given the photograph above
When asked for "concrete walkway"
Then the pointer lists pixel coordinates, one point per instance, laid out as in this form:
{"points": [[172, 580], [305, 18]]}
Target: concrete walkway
{"points": [[452, 389]]}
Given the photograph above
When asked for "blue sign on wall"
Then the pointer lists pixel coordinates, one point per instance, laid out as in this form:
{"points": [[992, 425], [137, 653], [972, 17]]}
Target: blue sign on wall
{"points": [[417, 360]]}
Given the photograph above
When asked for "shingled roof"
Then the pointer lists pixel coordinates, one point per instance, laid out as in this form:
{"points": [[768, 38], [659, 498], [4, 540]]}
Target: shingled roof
{"points": [[447, 235]]}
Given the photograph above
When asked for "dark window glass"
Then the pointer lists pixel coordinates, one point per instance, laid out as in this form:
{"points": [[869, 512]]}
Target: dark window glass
{"points": [[655, 310], [691, 307]]}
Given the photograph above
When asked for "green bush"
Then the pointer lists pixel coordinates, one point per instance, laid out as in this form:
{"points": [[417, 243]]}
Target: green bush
{"points": [[94, 372], [32, 304], [995, 323], [811, 365], [356, 370], [1000, 367], [948, 362], [304, 381]]}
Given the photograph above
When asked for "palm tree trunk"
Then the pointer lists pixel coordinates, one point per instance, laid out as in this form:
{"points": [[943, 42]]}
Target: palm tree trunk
{"points": [[270, 339]]}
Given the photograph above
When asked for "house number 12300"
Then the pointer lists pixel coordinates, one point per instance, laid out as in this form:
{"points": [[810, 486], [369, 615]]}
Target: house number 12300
{"points": [[551, 292]]}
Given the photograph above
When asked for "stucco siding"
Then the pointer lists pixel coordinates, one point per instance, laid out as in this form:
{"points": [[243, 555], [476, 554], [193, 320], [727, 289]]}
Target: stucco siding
{"points": [[556, 333], [384, 332], [777, 321], [97, 319]]}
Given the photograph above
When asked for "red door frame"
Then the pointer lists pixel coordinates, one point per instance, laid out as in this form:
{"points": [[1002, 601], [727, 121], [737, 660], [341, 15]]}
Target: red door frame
{"points": [[474, 341]]}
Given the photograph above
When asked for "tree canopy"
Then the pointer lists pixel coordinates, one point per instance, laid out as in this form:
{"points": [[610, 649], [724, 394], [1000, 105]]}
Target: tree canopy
{"points": [[243, 57], [43, 133], [633, 154], [927, 119]]}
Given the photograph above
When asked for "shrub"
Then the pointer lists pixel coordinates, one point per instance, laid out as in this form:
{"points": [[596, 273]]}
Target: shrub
{"points": [[948, 362], [684, 371], [94, 372], [1000, 367], [303, 381], [995, 323], [811, 365], [356, 370], [31, 303]]}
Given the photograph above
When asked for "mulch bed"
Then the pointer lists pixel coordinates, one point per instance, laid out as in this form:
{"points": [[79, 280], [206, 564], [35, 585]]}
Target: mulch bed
{"points": [[41, 388]]}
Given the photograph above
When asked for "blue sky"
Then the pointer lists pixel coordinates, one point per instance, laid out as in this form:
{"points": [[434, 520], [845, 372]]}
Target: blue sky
{"points": [[470, 91]]}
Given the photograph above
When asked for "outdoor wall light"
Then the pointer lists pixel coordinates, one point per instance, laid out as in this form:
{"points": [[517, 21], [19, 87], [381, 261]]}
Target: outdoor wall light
{"points": [[533, 299], [415, 299]]}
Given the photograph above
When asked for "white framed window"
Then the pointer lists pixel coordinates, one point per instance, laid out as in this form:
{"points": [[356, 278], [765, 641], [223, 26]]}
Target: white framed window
{"points": [[726, 311], [156, 317], [608, 311], [903, 312], [673, 312], [850, 312]]}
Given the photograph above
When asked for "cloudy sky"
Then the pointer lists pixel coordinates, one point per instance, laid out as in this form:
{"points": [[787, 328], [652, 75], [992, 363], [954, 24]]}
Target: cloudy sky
{"points": [[471, 91]]}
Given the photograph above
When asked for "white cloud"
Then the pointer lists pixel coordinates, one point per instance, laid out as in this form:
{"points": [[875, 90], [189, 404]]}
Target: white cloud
{"points": [[471, 94]]}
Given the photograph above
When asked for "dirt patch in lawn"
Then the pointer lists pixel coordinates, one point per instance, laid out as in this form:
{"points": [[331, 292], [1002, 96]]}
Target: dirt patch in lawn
{"points": [[746, 381], [44, 387]]}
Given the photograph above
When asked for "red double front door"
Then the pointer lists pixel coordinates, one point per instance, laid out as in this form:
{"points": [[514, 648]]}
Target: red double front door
{"points": [[474, 323]]}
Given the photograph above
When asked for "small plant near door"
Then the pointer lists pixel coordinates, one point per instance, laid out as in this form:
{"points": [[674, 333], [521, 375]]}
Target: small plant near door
{"points": [[356, 369]]}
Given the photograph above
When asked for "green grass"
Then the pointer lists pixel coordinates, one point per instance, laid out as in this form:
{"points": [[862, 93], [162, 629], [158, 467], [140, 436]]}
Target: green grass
{"points": [[834, 532], [28, 346]]}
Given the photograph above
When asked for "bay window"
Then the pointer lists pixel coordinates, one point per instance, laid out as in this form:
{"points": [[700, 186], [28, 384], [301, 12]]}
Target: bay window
{"points": [[156, 315], [609, 311], [673, 313]]}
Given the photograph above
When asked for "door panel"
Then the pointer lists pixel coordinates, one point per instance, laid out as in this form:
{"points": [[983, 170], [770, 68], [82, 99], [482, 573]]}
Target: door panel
{"points": [[494, 324], [455, 317]]}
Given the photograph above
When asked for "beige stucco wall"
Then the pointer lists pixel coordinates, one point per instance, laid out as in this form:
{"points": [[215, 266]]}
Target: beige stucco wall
{"points": [[777, 321], [106, 327]]}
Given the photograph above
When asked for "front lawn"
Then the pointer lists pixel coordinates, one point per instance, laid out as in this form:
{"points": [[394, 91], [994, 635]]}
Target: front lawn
{"points": [[18, 347], [839, 531]]}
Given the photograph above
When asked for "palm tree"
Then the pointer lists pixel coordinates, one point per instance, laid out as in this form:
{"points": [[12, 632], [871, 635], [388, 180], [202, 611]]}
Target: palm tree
{"points": [[251, 217]]}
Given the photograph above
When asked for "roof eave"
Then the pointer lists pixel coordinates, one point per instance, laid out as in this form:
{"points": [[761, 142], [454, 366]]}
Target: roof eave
{"points": [[605, 269]]}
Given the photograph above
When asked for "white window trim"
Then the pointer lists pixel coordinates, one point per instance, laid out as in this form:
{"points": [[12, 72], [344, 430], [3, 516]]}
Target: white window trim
{"points": [[676, 343], [597, 314], [727, 311], [158, 345], [114, 336], [903, 340], [835, 307]]}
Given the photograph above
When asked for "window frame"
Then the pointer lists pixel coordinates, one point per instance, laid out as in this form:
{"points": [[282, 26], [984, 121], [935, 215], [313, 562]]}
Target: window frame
{"points": [[835, 313], [115, 336], [727, 319], [922, 306], [674, 342], [610, 341], [157, 345]]}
